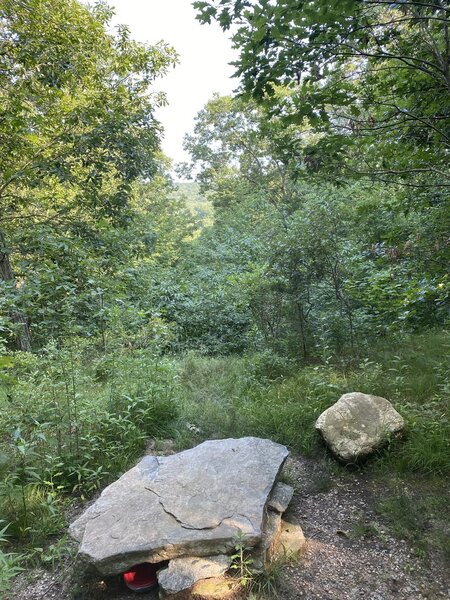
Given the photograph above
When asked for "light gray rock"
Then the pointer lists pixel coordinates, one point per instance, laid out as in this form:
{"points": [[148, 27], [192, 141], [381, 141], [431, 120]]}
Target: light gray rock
{"points": [[188, 504], [280, 497], [183, 573], [357, 424]]}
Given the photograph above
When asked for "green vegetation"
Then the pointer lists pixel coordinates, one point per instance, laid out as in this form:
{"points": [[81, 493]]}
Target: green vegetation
{"points": [[244, 396], [415, 511], [75, 418], [308, 259], [421, 517]]}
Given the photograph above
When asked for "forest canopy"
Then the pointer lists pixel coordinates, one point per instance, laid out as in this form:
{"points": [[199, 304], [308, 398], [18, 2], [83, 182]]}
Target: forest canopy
{"points": [[372, 76], [328, 175], [77, 130]]}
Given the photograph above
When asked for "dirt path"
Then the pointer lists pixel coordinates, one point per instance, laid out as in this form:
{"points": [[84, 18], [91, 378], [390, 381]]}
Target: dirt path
{"points": [[340, 562]]}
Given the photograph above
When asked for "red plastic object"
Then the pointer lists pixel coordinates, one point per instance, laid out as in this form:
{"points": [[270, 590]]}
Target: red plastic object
{"points": [[141, 578]]}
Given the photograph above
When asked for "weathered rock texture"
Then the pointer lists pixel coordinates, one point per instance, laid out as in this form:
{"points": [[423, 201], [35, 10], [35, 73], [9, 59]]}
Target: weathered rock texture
{"points": [[270, 541], [291, 541], [219, 588], [277, 503], [280, 497], [183, 573], [357, 424], [188, 504]]}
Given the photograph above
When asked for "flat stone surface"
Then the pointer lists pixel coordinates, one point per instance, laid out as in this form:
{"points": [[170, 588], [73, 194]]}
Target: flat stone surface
{"points": [[280, 497], [182, 573], [357, 424], [188, 504]]}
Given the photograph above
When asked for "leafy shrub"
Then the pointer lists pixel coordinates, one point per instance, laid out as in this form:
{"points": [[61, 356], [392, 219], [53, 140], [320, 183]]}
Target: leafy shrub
{"points": [[70, 432], [10, 563]]}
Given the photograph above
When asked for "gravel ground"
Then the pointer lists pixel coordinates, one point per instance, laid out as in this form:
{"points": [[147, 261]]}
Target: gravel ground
{"points": [[337, 563]]}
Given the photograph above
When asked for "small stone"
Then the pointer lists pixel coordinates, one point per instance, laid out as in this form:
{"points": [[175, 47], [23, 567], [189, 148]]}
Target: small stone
{"points": [[280, 497], [183, 573], [265, 551], [220, 588], [291, 542]]}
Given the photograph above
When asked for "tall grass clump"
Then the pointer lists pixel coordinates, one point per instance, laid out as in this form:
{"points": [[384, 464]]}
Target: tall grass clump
{"points": [[231, 397]]}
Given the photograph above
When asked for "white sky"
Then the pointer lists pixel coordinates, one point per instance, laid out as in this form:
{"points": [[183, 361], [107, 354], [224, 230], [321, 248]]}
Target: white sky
{"points": [[204, 52]]}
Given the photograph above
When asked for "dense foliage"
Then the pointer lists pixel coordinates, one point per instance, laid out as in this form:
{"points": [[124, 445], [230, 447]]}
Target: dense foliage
{"points": [[77, 129], [372, 76], [308, 259], [325, 268]]}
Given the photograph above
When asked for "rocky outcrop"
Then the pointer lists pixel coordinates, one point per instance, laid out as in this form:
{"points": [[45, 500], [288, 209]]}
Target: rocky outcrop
{"points": [[189, 504], [357, 424]]}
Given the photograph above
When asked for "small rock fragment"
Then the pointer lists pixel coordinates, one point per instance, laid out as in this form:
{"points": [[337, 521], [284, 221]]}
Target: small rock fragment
{"points": [[183, 573], [219, 588], [265, 551], [280, 497], [291, 541]]}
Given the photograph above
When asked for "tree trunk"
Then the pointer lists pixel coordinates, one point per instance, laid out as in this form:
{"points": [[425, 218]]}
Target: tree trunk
{"points": [[23, 337], [302, 323]]}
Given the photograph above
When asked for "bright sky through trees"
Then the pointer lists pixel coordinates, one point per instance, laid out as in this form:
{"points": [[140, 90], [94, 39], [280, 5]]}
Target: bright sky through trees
{"points": [[205, 52]]}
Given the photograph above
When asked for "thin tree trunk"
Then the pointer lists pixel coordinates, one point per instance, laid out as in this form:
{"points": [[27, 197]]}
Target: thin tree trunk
{"points": [[302, 323], [23, 337]]}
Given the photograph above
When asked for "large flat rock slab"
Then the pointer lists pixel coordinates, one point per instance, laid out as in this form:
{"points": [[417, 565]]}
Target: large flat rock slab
{"points": [[188, 504], [357, 424]]}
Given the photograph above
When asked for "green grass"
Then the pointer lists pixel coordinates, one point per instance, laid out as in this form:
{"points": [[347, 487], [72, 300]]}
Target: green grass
{"points": [[418, 511], [412, 509], [230, 396], [71, 420]]}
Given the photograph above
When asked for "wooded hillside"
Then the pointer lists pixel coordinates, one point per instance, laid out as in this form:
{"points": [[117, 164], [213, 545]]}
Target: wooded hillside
{"points": [[304, 254]]}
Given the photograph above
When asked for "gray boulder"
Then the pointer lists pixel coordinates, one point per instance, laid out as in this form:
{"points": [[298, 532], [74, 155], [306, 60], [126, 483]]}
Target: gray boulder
{"points": [[188, 504], [357, 424]]}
